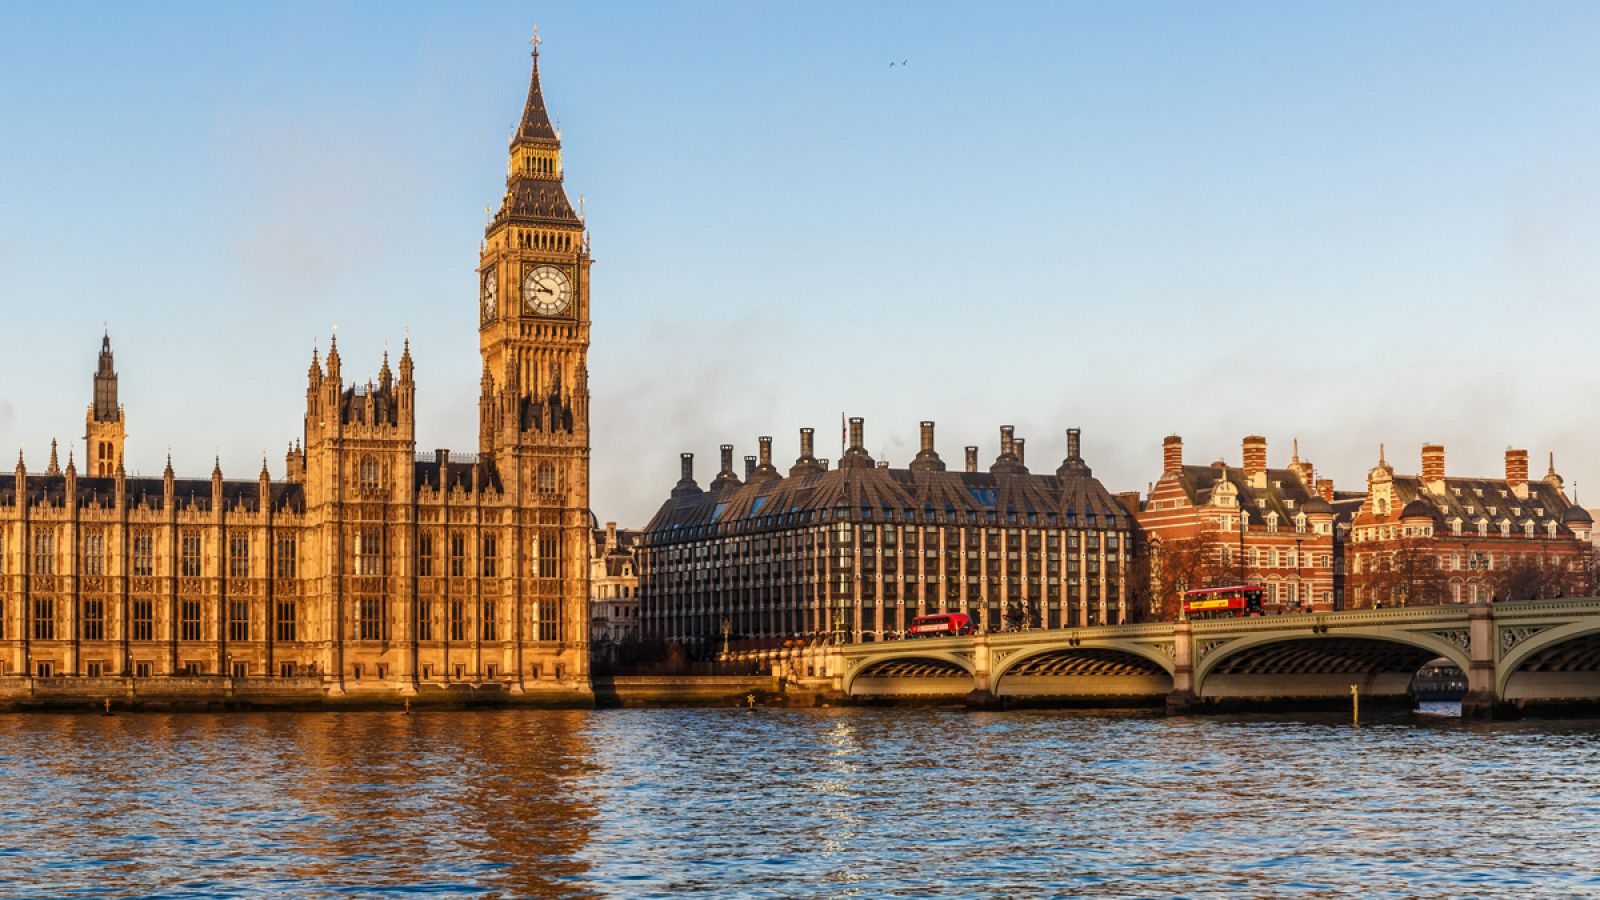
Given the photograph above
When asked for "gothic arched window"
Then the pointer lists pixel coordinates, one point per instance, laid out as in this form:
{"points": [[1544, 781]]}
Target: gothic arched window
{"points": [[547, 478], [367, 474]]}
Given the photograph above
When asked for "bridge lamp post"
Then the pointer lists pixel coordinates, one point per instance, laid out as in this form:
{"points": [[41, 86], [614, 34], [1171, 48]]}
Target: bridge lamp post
{"points": [[1299, 585]]}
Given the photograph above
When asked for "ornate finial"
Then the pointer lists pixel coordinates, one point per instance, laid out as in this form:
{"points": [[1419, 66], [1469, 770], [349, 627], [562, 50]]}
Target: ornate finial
{"points": [[1296, 456], [536, 40], [1380, 455], [1552, 463], [582, 204]]}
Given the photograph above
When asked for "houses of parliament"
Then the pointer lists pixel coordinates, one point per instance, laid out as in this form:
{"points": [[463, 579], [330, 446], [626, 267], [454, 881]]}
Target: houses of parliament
{"points": [[370, 566]]}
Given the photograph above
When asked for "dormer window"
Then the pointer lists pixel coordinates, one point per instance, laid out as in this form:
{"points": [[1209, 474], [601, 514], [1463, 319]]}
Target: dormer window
{"points": [[1483, 528], [1272, 522], [1527, 528], [1300, 522], [1455, 526], [1550, 528], [1505, 528]]}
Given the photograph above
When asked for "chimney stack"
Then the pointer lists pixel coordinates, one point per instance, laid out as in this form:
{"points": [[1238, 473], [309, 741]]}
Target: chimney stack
{"points": [[686, 464], [1255, 460], [1074, 464], [1517, 472], [611, 536], [726, 478], [1020, 446], [1008, 440], [807, 464], [749, 467], [972, 458], [1325, 488], [856, 454], [1171, 454], [927, 459], [1433, 468], [765, 442]]}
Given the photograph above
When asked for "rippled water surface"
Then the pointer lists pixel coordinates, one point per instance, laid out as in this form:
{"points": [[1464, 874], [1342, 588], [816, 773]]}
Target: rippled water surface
{"points": [[786, 803]]}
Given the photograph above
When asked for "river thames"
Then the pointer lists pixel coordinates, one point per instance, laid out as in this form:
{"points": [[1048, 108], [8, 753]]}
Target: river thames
{"points": [[785, 803]]}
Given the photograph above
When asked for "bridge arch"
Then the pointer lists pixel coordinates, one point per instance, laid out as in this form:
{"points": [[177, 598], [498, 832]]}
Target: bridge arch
{"points": [[1087, 650], [913, 663], [1553, 649], [1100, 671], [1371, 652]]}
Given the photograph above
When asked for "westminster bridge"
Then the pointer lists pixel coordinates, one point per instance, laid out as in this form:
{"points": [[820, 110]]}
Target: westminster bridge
{"points": [[1515, 655]]}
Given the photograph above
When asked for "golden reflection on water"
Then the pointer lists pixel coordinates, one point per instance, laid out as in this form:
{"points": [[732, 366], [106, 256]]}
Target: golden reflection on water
{"points": [[785, 803], [302, 803]]}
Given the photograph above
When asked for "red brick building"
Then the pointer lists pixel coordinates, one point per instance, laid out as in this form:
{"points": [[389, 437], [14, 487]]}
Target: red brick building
{"points": [[1436, 538], [1210, 525]]}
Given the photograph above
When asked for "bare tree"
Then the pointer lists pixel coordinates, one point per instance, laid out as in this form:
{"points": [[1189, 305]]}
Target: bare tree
{"points": [[1182, 564], [1399, 573], [1530, 577]]}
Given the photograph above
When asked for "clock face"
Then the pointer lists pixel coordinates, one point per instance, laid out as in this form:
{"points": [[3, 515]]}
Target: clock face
{"points": [[546, 291], [489, 291]]}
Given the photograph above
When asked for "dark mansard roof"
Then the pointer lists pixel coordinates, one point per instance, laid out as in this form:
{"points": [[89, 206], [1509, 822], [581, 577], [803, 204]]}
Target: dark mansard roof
{"points": [[866, 493], [190, 493], [1472, 499], [1285, 494]]}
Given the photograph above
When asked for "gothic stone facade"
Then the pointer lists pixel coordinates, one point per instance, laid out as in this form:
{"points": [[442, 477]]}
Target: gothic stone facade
{"points": [[369, 565], [855, 553]]}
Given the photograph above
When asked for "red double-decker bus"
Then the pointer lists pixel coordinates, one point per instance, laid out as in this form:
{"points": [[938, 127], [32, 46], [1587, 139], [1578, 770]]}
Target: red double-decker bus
{"points": [[940, 625], [1233, 602]]}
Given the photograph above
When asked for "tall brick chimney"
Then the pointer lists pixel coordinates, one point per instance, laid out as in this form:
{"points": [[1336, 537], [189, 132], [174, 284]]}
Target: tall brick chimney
{"points": [[749, 467], [1433, 468], [972, 458], [1517, 472], [685, 486], [1255, 460], [1171, 454], [807, 463], [927, 459], [1325, 488], [1021, 446]]}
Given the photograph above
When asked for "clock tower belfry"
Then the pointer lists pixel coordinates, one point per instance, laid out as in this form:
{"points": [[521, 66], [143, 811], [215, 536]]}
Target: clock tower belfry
{"points": [[533, 301], [533, 335]]}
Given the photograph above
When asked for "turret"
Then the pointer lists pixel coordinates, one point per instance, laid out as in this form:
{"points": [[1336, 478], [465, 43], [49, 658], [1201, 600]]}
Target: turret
{"points": [[169, 484], [54, 468], [105, 424]]}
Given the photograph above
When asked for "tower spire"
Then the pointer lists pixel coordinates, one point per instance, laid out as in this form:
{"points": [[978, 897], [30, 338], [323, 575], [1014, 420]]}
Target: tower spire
{"points": [[535, 126]]}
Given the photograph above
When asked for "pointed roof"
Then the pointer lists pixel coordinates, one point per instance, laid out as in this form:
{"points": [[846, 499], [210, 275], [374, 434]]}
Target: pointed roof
{"points": [[535, 126]]}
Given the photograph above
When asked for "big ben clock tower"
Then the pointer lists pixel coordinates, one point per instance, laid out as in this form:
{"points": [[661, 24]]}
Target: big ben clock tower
{"points": [[533, 334]]}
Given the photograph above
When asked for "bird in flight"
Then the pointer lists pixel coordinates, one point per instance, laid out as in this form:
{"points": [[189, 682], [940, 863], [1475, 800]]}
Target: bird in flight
{"points": [[902, 64]]}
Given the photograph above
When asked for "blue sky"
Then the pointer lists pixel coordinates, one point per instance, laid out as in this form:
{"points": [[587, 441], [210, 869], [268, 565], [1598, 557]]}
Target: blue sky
{"points": [[1348, 223]]}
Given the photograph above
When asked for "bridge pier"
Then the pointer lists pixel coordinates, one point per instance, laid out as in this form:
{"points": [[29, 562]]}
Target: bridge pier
{"points": [[1182, 699], [982, 695], [1481, 700]]}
